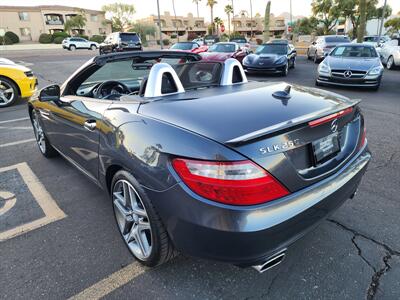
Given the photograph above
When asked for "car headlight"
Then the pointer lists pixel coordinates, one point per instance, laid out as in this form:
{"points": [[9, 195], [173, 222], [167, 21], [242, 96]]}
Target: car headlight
{"points": [[247, 60], [281, 60], [324, 68], [375, 71]]}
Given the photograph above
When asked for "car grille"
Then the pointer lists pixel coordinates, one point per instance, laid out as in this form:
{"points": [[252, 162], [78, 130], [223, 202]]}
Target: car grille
{"points": [[354, 74]]}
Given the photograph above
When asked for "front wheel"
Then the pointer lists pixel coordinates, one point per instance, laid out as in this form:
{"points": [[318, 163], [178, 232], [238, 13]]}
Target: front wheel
{"points": [[93, 47], [8, 92], [138, 222], [72, 47], [43, 143], [285, 70]]}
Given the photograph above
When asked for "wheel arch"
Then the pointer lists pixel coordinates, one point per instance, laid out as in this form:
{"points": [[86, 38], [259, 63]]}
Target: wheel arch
{"points": [[13, 81], [110, 173]]}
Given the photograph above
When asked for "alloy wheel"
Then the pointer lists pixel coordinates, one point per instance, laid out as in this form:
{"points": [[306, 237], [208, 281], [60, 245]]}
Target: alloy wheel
{"points": [[39, 134], [6, 93], [132, 219]]}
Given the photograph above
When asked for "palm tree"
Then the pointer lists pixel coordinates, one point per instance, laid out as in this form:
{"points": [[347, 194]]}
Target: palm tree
{"points": [[176, 23], [197, 6], [363, 15], [218, 22], [229, 11], [211, 4]]}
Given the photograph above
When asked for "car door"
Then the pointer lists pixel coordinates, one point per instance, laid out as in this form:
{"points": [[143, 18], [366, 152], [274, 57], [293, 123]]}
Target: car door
{"points": [[72, 125]]}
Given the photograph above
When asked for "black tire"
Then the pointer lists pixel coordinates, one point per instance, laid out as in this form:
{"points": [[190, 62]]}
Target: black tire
{"points": [[317, 83], [5, 85], [316, 60], [293, 65], [162, 247], [72, 47], [286, 70], [93, 47], [308, 54], [390, 63], [43, 143]]}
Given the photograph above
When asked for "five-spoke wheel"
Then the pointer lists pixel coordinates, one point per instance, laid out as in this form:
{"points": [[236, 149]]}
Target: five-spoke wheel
{"points": [[8, 92]]}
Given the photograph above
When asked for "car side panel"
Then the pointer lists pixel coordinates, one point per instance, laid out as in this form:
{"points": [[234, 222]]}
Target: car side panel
{"points": [[144, 146]]}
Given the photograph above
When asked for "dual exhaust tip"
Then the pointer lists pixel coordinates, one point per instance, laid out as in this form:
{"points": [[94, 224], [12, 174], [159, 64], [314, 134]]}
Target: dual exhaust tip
{"points": [[271, 262]]}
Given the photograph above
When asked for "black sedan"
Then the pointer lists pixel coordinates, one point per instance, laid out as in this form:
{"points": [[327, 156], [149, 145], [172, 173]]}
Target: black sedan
{"points": [[272, 58], [355, 65], [197, 159]]}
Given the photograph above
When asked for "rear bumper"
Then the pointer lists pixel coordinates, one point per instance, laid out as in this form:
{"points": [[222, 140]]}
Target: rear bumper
{"points": [[247, 235]]}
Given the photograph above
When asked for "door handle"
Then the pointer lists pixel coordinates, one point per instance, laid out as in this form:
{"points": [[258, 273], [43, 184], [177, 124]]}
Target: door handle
{"points": [[90, 125]]}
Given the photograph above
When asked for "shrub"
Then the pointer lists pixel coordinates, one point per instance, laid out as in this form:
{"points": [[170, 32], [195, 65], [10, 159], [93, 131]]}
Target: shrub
{"points": [[97, 38], [165, 42], [12, 36], [191, 36], [174, 36], [5, 40], [259, 41], [62, 34], [45, 38], [86, 37], [58, 40]]}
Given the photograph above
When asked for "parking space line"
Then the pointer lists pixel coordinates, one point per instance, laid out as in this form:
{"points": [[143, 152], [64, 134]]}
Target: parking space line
{"points": [[111, 283], [14, 120], [17, 127], [17, 143], [43, 198]]}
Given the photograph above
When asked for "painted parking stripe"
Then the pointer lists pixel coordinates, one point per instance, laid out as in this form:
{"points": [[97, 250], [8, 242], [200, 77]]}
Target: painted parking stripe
{"points": [[111, 283], [14, 120], [17, 127], [49, 207], [17, 143]]}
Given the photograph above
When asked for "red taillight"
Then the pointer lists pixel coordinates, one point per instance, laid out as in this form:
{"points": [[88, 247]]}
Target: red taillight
{"points": [[328, 118], [235, 183], [363, 138]]}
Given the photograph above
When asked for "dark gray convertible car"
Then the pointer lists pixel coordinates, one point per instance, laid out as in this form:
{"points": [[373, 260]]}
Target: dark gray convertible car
{"points": [[197, 159]]}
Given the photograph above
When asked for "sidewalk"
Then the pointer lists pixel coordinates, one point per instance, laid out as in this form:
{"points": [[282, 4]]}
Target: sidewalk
{"points": [[33, 46]]}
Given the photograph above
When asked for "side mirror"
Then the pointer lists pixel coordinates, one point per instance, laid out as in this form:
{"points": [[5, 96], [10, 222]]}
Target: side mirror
{"points": [[50, 93]]}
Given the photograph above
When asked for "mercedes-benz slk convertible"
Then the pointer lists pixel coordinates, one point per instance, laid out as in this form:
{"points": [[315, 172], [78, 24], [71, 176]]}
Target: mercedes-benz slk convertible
{"points": [[197, 159]]}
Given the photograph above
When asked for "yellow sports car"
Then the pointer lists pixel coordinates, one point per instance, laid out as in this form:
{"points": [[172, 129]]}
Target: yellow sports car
{"points": [[15, 81]]}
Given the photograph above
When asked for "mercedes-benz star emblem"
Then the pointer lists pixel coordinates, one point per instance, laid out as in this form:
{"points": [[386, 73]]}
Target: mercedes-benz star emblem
{"points": [[334, 125], [347, 74]]}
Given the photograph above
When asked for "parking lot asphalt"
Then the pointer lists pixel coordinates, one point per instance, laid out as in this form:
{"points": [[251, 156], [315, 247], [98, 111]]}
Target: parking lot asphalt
{"points": [[58, 237]]}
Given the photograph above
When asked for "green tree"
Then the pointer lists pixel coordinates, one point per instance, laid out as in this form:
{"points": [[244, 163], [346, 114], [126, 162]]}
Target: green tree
{"points": [[197, 6], [218, 22], [229, 10], [327, 12], [363, 20], [211, 4], [75, 22], [393, 25], [266, 21], [143, 30], [350, 9], [305, 26], [121, 15]]}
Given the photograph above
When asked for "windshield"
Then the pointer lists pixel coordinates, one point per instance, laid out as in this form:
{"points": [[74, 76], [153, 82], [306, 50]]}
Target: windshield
{"points": [[354, 51], [182, 46], [129, 37], [272, 49], [222, 48], [336, 39], [239, 40]]}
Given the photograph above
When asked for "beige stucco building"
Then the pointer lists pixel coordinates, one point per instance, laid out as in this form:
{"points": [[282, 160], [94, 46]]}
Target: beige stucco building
{"points": [[246, 25], [28, 22]]}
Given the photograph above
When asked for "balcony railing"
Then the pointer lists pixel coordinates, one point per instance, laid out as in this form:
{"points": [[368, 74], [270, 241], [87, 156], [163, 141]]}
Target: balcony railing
{"points": [[54, 22]]}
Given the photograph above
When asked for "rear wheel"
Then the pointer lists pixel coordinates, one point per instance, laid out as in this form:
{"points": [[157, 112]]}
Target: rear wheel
{"points": [[8, 92], [43, 143], [72, 47], [316, 60], [390, 63], [138, 222]]}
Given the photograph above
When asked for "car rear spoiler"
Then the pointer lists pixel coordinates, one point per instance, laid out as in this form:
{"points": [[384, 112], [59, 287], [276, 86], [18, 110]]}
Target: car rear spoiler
{"points": [[290, 123]]}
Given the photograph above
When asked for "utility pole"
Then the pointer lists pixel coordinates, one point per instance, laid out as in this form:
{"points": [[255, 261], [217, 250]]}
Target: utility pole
{"points": [[251, 20], [382, 21], [159, 23], [291, 20], [233, 16]]}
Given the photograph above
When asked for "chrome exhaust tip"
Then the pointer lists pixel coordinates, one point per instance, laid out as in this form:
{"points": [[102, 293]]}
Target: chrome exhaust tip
{"points": [[271, 262]]}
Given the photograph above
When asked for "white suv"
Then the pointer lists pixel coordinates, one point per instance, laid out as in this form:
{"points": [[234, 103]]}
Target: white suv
{"points": [[73, 43]]}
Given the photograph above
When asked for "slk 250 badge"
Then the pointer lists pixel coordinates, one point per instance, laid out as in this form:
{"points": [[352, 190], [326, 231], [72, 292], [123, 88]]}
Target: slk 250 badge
{"points": [[277, 147]]}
